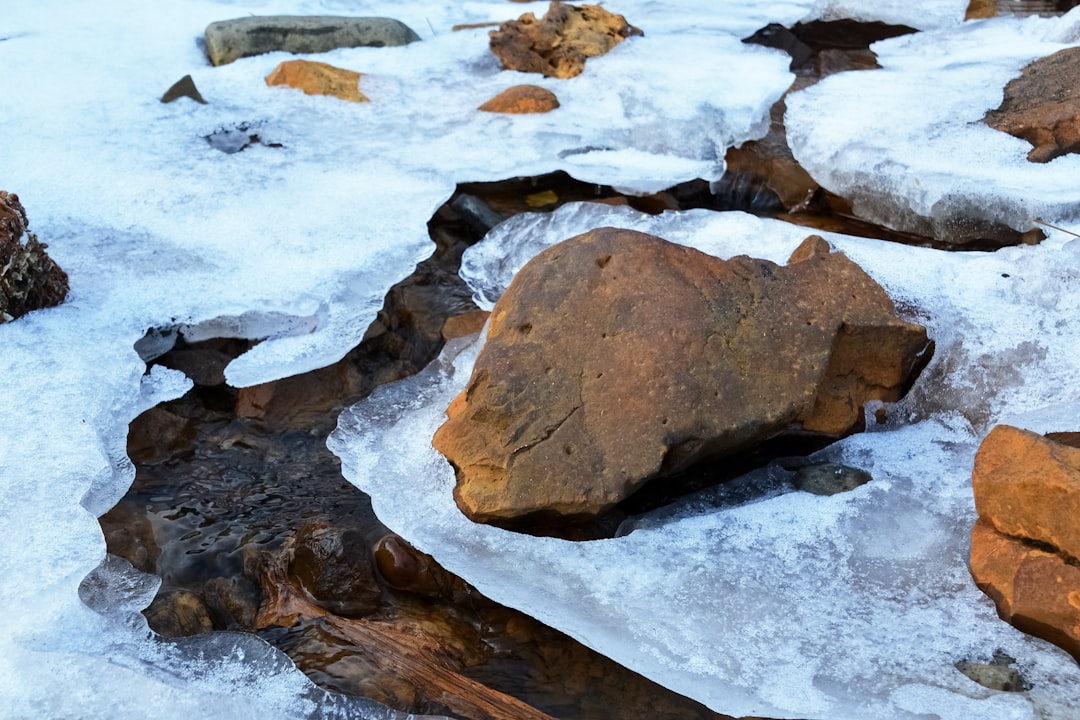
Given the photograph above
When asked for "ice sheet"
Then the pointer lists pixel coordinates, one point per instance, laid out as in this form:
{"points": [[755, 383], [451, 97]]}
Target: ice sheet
{"points": [[296, 245], [906, 143], [798, 606]]}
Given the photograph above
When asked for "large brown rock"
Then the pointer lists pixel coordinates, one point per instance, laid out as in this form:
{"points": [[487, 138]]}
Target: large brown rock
{"points": [[558, 44], [29, 279], [1042, 106], [1026, 543], [616, 357]]}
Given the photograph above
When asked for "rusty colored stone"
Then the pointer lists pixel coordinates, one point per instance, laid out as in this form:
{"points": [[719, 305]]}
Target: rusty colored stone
{"points": [[29, 279], [522, 100], [1036, 591], [1025, 545], [616, 357], [558, 44], [316, 78], [465, 324], [1029, 487], [1042, 106]]}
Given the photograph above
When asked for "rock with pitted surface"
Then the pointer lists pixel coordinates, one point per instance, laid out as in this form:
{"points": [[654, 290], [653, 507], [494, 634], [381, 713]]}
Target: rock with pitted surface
{"points": [[1042, 106], [230, 40], [317, 78], [617, 357], [558, 44], [1026, 543], [29, 279]]}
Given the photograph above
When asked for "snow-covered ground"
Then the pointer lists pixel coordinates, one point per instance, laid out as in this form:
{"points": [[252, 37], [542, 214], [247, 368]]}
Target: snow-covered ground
{"points": [[300, 243]]}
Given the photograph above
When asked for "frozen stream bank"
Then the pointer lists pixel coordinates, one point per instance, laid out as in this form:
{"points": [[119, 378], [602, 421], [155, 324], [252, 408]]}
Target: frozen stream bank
{"points": [[300, 243]]}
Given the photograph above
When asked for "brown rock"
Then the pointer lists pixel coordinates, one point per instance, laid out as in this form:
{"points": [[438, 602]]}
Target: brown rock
{"points": [[1025, 545], [1042, 106], [316, 78], [466, 324], [978, 9], [521, 100], [184, 87], [1036, 591], [334, 566], [1028, 487], [29, 279], [615, 357], [558, 44]]}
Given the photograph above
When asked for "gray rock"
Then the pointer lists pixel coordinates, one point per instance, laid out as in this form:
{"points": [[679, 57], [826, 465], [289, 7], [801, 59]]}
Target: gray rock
{"points": [[230, 40], [829, 478]]}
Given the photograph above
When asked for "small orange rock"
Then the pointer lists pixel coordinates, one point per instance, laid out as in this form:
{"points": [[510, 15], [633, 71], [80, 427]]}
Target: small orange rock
{"points": [[466, 324], [522, 99], [316, 78]]}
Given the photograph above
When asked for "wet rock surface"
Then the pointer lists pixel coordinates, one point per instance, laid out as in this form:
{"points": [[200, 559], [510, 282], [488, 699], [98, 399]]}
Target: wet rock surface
{"points": [[616, 357], [559, 43], [29, 278], [317, 78], [1026, 544], [1042, 106], [230, 40]]}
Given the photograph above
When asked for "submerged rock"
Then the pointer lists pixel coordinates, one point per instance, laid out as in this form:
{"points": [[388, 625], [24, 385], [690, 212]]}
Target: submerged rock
{"points": [[316, 78], [1026, 543], [29, 279], [1042, 106], [522, 99], [231, 40], [616, 357], [558, 44]]}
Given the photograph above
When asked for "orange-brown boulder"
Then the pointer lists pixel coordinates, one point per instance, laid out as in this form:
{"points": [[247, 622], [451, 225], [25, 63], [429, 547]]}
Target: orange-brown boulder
{"points": [[522, 99], [29, 279], [1025, 545], [316, 78], [1034, 590], [616, 357], [1042, 106], [558, 44]]}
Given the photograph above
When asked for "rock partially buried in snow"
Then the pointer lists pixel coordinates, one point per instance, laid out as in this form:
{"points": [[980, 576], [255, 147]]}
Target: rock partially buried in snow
{"points": [[230, 40], [616, 357], [522, 99], [558, 44], [1042, 106], [184, 87], [29, 279], [317, 78], [1025, 545]]}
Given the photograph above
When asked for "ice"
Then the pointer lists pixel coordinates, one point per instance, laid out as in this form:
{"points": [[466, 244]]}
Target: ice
{"points": [[785, 605], [296, 245], [905, 143]]}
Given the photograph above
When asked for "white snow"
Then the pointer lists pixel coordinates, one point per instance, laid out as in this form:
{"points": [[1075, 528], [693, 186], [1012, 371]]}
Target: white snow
{"points": [[906, 143], [299, 244]]}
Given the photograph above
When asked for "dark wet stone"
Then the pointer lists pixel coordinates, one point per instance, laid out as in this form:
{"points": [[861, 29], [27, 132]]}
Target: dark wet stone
{"points": [[184, 87], [403, 567], [334, 566], [829, 478], [233, 603], [231, 40], [178, 613], [996, 674]]}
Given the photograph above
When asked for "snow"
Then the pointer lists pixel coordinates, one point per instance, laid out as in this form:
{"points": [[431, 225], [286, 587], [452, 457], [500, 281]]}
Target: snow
{"points": [[906, 143], [298, 245]]}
